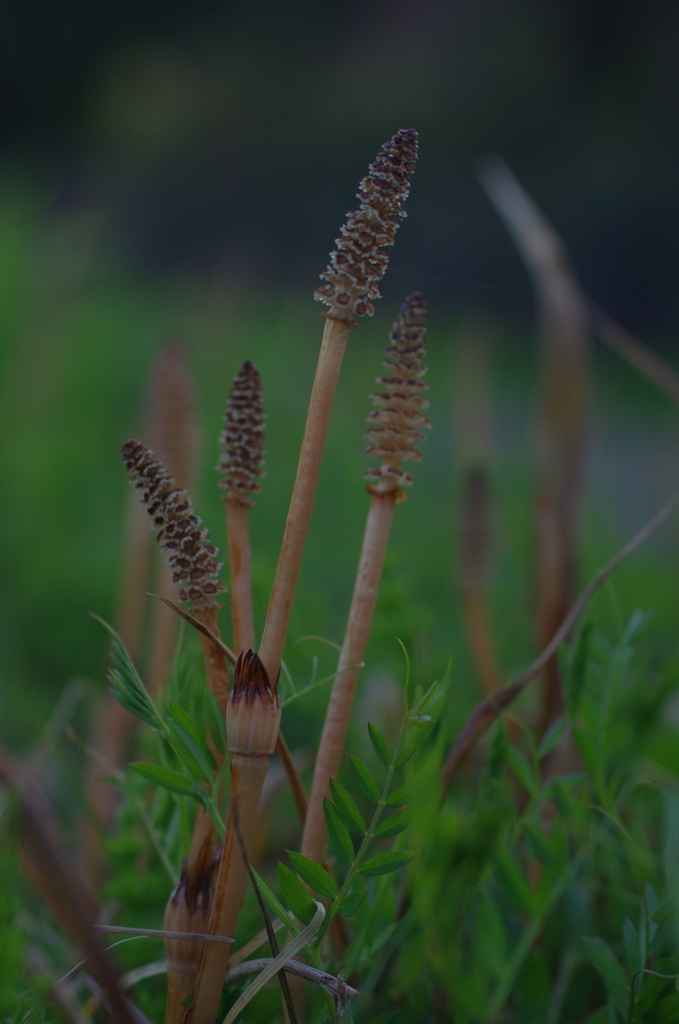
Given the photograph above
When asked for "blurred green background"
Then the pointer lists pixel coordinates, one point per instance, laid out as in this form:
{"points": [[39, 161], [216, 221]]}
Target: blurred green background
{"points": [[180, 171]]}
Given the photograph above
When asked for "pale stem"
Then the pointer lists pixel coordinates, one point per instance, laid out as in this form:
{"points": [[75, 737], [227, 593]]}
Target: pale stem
{"points": [[238, 534], [330, 749], [335, 335], [247, 778]]}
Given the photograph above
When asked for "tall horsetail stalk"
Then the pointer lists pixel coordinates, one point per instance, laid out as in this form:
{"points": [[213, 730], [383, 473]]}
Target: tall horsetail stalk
{"points": [[240, 467], [350, 288], [252, 724], [192, 561], [395, 426]]}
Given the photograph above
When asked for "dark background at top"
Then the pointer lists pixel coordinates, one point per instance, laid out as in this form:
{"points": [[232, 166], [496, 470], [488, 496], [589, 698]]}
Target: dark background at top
{"points": [[229, 138]]}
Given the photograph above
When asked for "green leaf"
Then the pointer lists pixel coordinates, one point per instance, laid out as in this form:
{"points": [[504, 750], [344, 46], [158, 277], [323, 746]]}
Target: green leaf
{"points": [[192, 730], [295, 894], [538, 842], [637, 626], [605, 962], [409, 685], [392, 826], [578, 662], [379, 744], [515, 882], [338, 832], [366, 782], [125, 682], [216, 722], [632, 946], [405, 755], [384, 863], [400, 796], [188, 752], [345, 804], [523, 769], [167, 778], [352, 899], [551, 738], [313, 874], [665, 910]]}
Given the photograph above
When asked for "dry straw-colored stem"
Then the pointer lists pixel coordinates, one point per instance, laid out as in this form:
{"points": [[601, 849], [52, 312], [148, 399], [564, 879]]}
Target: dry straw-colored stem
{"points": [[331, 745], [395, 425], [349, 291], [51, 866], [253, 720], [335, 337], [563, 412]]}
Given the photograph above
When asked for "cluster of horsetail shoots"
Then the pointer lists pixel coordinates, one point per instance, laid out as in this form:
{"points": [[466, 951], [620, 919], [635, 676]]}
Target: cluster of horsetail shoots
{"points": [[396, 425], [209, 894]]}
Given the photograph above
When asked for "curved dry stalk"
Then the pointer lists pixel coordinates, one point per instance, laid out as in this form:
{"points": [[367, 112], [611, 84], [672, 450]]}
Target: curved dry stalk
{"points": [[485, 713], [350, 290], [638, 355], [396, 424], [253, 720], [52, 869]]}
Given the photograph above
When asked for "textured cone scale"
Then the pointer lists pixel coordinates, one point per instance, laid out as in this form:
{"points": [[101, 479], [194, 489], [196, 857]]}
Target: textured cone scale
{"points": [[359, 261], [396, 424], [188, 552], [242, 440]]}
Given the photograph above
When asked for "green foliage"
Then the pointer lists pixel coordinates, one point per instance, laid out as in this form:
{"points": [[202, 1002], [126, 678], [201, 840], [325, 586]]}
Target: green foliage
{"points": [[541, 888]]}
